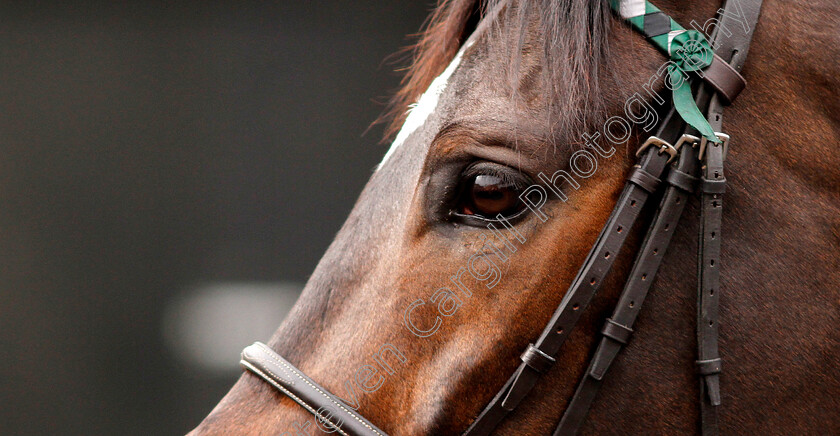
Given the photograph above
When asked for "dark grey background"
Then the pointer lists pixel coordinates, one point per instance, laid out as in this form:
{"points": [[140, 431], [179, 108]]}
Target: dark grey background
{"points": [[151, 148]]}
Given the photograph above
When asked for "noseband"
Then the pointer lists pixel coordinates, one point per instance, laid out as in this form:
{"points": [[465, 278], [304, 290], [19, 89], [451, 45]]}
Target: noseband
{"points": [[685, 156]]}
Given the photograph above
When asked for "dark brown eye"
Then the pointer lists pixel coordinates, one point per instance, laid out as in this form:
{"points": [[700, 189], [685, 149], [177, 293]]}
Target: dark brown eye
{"points": [[487, 192]]}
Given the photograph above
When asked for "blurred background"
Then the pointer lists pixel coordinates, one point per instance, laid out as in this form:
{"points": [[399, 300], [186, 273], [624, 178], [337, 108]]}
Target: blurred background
{"points": [[166, 170]]}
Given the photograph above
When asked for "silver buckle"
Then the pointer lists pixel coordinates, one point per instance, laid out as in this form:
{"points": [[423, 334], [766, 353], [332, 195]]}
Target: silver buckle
{"points": [[722, 136], [687, 139], [664, 147]]}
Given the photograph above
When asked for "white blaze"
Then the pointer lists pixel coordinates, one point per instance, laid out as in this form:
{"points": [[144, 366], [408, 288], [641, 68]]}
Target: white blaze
{"points": [[631, 8], [420, 111]]}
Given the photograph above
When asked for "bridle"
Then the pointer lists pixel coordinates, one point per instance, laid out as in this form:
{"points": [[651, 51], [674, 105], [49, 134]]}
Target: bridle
{"points": [[677, 160]]}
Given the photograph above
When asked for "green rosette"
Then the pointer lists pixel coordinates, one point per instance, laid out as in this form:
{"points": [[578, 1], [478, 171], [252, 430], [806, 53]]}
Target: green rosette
{"points": [[690, 51]]}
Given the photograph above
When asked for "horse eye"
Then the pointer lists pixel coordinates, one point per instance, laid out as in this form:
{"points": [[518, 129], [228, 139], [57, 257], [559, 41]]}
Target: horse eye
{"points": [[488, 195]]}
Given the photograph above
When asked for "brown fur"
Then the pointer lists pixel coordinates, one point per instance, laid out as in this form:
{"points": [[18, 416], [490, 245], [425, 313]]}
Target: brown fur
{"points": [[781, 274]]}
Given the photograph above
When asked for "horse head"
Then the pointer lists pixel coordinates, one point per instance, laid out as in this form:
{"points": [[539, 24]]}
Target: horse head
{"points": [[519, 123]]}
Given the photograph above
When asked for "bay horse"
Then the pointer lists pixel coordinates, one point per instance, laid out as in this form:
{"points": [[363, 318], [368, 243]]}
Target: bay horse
{"points": [[440, 276]]}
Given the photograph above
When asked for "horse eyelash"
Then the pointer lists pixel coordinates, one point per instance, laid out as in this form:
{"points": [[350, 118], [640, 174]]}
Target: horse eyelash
{"points": [[509, 176]]}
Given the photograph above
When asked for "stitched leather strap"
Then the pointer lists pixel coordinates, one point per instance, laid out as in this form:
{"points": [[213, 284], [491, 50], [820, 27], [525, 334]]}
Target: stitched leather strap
{"points": [[709, 289], [724, 76], [332, 413], [742, 17], [647, 263], [727, 81], [583, 287]]}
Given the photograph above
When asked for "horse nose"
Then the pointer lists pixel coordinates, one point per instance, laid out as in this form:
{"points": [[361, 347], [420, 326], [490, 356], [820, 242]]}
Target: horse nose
{"points": [[252, 407]]}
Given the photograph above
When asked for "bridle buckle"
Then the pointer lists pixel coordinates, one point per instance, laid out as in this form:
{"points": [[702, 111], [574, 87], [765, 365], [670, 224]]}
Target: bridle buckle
{"points": [[722, 136], [687, 139], [663, 145]]}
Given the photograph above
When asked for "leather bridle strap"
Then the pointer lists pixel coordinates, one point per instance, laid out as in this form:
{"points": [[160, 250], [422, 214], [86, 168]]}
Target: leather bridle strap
{"points": [[723, 75], [732, 48], [618, 328], [682, 182], [333, 415], [537, 358], [726, 80], [712, 186]]}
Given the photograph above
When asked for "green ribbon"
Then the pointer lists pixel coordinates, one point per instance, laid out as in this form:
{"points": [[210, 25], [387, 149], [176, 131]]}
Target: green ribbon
{"points": [[690, 51]]}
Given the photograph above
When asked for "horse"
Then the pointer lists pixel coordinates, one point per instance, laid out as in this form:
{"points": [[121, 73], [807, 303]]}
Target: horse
{"points": [[442, 274]]}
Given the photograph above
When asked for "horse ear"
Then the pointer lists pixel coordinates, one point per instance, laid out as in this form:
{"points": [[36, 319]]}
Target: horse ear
{"points": [[443, 33]]}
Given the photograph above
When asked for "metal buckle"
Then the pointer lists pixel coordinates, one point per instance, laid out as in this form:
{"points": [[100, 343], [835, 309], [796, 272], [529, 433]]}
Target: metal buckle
{"points": [[722, 136], [664, 147], [686, 138]]}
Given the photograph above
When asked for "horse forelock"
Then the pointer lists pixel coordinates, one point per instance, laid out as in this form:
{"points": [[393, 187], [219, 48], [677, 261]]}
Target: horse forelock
{"points": [[574, 48]]}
